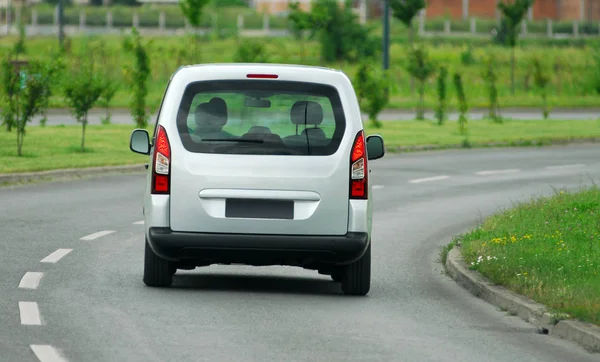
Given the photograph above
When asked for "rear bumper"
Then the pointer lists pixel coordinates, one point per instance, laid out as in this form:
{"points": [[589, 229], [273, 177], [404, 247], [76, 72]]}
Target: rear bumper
{"points": [[255, 249]]}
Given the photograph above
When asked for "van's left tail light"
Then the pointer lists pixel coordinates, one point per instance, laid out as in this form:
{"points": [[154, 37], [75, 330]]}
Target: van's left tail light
{"points": [[161, 164]]}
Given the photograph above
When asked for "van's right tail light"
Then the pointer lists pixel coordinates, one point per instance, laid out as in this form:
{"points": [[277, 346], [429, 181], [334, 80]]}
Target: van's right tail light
{"points": [[358, 168], [161, 164]]}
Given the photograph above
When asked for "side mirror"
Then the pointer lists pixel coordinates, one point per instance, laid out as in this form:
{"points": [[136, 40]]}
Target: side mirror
{"points": [[140, 141], [375, 147]]}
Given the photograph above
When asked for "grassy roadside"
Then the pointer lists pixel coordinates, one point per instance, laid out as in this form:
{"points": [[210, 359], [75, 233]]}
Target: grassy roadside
{"points": [[55, 147], [547, 249], [572, 68]]}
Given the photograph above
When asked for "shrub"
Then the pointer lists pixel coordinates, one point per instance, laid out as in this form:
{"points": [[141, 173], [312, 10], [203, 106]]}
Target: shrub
{"points": [[372, 88], [490, 77], [541, 77], [441, 111], [340, 34], [420, 67], [463, 108], [137, 77], [29, 90], [82, 90], [251, 51]]}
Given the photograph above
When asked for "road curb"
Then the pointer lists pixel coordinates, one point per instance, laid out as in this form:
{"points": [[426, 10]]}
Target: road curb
{"points": [[67, 173], [584, 334]]}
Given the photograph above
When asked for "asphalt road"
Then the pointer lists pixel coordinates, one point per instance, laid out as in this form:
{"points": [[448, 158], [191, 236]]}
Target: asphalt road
{"points": [[93, 305], [121, 116]]}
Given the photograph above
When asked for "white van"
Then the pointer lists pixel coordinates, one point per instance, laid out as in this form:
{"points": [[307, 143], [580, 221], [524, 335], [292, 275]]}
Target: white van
{"points": [[259, 164]]}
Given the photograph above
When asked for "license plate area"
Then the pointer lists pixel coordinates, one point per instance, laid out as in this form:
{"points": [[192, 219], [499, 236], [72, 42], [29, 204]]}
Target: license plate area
{"points": [[259, 208]]}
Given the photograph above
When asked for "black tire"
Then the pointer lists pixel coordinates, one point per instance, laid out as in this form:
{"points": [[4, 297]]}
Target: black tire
{"points": [[157, 271], [356, 278], [336, 275], [172, 268]]}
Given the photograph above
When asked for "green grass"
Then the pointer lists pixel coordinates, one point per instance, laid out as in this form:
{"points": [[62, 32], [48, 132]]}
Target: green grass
{"points": [[547, 249], [483, 132], [55, 147], [573, 84]]}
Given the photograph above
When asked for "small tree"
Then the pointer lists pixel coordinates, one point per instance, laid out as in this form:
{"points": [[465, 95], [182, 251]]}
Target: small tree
{"points": [[300, 24], [463, 108], [512, 15], [29, 87], [109, 89], [341, 35], [82, 90], [406, 11], [441, 111], [490, 77], [251, 51], [193, 11], [137, 77], [541, 78], [595, 76], [372, 88], [421, 68], [10, 89]]}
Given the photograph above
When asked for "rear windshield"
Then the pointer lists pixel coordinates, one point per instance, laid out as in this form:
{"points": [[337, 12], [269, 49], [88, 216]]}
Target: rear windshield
{"points": [[261, 117]]}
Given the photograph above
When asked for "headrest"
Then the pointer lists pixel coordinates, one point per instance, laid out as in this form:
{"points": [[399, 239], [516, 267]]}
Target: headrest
{"points": [[314, 133], [259, 129], [212, 114], [306, 112]]}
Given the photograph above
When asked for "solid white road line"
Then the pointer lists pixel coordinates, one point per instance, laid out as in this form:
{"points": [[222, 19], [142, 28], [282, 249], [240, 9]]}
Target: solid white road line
{"points": [[30, 314], [46, 353], [56, 256], [428, 179], [97, 235], [497, 172], [141, 222], [376, 187], [560, 167], [31, 280]]}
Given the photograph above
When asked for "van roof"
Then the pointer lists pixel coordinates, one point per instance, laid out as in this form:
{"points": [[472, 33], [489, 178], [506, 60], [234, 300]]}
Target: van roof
{"points": [[266, 65]]}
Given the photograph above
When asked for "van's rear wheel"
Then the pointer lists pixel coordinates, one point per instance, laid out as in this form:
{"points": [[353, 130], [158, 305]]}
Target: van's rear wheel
{"points": [[336, 275], [157, 271], [356, 277]]}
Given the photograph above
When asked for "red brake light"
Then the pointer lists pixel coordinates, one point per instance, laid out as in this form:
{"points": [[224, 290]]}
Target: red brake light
{"points": [[262, 76], [358, 150], [162, 142], [358, 168], [161, 163]]}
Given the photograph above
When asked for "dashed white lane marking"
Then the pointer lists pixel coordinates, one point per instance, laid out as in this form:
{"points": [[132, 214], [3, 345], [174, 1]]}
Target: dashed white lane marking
{"points": [[30, 314], [497, 172], [31, 280], [376, 187], [141, 222], [560, 167], [46, 353], [56, 256], [429, 179], [97, 235]]}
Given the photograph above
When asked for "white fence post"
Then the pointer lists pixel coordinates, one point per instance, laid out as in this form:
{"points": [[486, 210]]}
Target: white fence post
{"points": [[81, 20], [161, 21]]}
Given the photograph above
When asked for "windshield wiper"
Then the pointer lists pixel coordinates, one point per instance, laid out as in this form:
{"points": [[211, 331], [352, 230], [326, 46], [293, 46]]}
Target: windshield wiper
{"points": [[245, 140]]}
